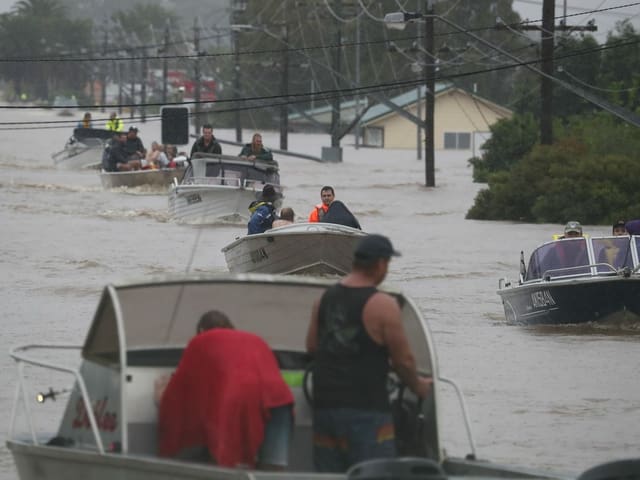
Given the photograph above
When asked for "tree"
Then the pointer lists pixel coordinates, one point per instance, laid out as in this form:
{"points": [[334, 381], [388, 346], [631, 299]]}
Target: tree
{"points": [[590, 173], [32, 34]]}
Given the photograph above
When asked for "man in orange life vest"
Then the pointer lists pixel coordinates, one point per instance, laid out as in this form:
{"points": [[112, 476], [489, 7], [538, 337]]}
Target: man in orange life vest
{"points": [[327, 195]]}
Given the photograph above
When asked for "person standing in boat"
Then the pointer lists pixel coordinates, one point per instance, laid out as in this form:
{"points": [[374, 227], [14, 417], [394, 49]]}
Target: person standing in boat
{"points": [[85, 122], [114, 124], [207, 143], [263, 212], [255, 150], [355, 334], [327, 195], [227, 401]]}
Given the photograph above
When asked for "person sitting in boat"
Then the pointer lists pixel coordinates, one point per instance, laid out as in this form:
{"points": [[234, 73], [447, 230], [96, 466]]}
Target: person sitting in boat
{"points": [[619, 228], [286, 218], [133, 145], [327, 195], [85, 122], [207, 143], [227, 401], [156, 158], [263, 212], [339, 214], [255, 150], [119, 160], [114, 124]]}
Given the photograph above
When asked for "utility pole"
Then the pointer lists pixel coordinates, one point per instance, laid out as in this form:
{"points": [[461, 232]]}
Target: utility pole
{"points": [[429, 96], [335, 110], [143, 85], [165, 62], [547, 36], [103, 93], [284, 108], [196, 74], [546, 84]]}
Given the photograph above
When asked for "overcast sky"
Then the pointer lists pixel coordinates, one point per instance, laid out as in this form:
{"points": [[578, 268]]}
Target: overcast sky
{"points": [[532, 9]]}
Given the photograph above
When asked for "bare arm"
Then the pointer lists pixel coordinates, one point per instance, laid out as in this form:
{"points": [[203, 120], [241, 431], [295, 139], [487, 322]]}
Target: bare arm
{"points": [[383, 321], [312, 332]]}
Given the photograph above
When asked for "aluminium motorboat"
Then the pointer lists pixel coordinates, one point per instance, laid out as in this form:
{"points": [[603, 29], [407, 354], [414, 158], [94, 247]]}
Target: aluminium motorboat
{"points": [[154, 178], [298, 248], [84, 149], [219, 188], [576, 280], [108, 425]]}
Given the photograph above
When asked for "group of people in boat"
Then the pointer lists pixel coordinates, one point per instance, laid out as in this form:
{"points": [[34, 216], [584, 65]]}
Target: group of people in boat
{"points": [[572, 258], [228, 403], [264, 214]]}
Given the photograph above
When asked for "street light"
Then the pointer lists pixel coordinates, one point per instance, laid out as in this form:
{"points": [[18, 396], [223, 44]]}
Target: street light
{"points": [[398, 21]]}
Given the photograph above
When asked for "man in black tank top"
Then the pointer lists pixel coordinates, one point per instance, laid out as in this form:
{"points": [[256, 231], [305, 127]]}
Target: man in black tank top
{"points": [[356, 335]]}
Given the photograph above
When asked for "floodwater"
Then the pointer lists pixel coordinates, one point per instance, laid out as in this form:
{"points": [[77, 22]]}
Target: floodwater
{"points": [[563, 398]]}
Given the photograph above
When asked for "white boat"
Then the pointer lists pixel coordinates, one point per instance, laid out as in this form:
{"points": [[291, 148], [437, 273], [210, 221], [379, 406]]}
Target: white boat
{"points": [[219, 188], [299, 248], [160, 178], [84, 149], [108, 426]]}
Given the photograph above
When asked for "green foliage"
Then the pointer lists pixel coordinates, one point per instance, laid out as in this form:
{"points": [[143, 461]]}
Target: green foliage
{"points": [[591, 174], [510, 140], [38, 29]]}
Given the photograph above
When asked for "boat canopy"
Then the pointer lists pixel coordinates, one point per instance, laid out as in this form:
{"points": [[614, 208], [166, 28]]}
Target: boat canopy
{"points": [[226, 167], [155, 315], [84, 133], [583, 256]]}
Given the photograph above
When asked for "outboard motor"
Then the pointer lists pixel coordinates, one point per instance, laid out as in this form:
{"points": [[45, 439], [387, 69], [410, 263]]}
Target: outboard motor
{"points": [[402, 468]]}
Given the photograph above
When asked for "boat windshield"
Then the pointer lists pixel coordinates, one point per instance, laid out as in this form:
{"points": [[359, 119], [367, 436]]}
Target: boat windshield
{"points": [[576, 256], [614, 251], [559, 258]]}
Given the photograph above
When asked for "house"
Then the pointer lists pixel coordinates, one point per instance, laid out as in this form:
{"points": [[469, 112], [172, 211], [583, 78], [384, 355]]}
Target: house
{"points": [[462, 120]]}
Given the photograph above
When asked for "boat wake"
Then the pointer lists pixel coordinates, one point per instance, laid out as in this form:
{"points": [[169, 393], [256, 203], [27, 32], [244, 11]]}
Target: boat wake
{"points": [[162, 217], [49, 187]]}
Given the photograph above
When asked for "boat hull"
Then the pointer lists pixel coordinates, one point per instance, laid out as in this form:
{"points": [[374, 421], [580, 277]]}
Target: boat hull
{"points": [[208, 204], [40, 462], [78, 156], [601, 299], [160, 179], [304, 248]]}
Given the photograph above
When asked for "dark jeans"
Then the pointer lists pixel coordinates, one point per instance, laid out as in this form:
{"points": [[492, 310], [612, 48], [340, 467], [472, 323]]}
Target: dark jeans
{"points": [[343, 437]]}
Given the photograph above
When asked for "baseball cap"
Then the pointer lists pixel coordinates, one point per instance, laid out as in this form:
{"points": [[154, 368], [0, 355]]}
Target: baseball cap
{"points": [[375, 246], [133, 128], [573, 227]]}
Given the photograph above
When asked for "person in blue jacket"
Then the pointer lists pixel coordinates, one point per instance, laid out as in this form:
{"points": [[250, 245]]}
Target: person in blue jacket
{"points": [[263, 212]]}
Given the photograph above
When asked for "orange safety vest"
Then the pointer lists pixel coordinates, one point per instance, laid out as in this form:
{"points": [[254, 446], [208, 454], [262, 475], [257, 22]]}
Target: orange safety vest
{"points": [[318, 212]]}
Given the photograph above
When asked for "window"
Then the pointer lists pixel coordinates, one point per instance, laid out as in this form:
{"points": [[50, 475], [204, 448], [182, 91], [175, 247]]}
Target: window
{"points": [[457, 141], [374, 136]]}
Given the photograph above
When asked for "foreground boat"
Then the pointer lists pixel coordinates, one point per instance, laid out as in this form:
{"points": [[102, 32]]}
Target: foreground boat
{"points": [[84, 149], [219, 188], [108, 426], [300, 248], [153, 178], [576, 280]]}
